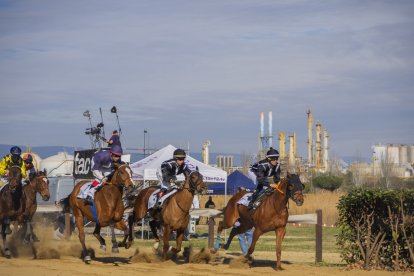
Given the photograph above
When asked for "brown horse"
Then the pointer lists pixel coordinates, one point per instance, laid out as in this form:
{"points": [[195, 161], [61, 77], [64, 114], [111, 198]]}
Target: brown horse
{"points": [[109, 208], [272, 214], [175, 215], [38, 184], [11, 203]]}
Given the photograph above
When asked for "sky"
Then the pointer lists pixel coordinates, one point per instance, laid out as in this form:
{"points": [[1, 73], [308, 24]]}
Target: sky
{"points": [[191, 71]]}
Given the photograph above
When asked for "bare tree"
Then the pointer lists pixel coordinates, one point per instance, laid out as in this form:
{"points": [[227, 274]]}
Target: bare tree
{"points": [[246, 160]]}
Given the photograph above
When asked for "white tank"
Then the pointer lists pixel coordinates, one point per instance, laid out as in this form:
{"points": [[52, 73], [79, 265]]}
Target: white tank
{"points": [[403, 154], [411, 155], [393, 153], [59, 164], [379, 153]]}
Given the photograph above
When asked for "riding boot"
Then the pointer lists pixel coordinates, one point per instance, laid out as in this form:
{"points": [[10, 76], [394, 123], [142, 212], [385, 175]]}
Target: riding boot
{"points": [[160, 195], [88, 200], [253, 199]]}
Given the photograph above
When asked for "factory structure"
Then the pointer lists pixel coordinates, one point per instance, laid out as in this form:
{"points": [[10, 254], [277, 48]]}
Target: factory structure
{"points": [[387, 160]]}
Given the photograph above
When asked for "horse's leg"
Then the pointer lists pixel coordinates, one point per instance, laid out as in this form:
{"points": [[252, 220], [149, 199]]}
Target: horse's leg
{"points": [[115, 248], [97, 234], [33, 235], [28, 232], [179, 240], [233, 232], [217, 243], [280, 234], [121, 225], [154, 225], [256, 234], [79, 224], [6, 249], [167, 232]]}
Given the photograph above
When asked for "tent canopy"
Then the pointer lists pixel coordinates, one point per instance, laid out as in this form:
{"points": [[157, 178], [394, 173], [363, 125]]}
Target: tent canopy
{"points": [[235, 180], [146, 169]]}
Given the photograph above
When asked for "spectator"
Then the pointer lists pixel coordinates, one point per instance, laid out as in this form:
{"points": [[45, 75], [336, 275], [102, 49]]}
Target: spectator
{"points": [[114, 140], [210, 203]]}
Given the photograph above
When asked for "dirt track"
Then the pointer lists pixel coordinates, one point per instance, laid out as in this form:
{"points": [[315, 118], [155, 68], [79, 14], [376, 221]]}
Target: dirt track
{"points": [[62, 258]]}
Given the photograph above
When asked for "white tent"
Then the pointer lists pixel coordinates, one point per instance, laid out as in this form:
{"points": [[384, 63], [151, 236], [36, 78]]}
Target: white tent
{"points": [[59, 164], [146, 169]]}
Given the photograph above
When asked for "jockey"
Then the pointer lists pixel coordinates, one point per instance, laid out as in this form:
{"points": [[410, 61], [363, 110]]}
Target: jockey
{"points": [[260, 171], [10, 160], [28, 164], [103, 168], [169, 169]]}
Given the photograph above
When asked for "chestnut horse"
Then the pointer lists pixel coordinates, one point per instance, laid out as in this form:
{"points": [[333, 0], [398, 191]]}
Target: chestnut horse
{"points": [[272, 214], [109, 208], [38, 184], [175, 215], [11, 203]]}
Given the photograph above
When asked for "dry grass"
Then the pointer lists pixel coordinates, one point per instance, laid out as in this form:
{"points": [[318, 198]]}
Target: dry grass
{"points": [[322, 200]]}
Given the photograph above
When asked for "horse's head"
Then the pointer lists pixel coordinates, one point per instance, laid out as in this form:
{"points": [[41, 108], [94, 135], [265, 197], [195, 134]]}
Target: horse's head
{"points": [[15, 177], [195, 183], [123, 176], [41, 185], [295, 188]]}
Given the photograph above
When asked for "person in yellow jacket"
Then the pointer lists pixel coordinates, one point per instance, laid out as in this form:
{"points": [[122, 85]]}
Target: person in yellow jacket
{"points": [[12, 159]]}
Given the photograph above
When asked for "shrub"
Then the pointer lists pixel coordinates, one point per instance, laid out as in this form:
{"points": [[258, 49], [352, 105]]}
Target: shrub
{"points": [[327, 182]]}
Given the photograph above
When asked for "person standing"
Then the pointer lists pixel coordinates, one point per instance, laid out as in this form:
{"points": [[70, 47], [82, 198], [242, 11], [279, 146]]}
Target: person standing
{"points": [[245, 240], [114, 140]]}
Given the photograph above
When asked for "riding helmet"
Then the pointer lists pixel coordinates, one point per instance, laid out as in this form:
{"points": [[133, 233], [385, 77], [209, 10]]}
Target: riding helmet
{"points": [[116, 150], [272, 154], [27, 157], [179, 154], [15, 150]]}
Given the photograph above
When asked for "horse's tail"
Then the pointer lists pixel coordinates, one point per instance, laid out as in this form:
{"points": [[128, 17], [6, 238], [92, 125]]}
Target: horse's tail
{"points": [[64, 202]]}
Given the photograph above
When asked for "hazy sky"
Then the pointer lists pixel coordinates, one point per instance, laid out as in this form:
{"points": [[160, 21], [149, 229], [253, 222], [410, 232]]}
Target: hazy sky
{"points": [[188, 71]]}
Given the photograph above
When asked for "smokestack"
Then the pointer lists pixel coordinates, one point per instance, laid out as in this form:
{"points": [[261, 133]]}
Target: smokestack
{"points": [[294, 145], [318, 146], [206, 152], [261, 124], [325, 149], [270, 129], [291, 151], [282, 145], [310, 123]]}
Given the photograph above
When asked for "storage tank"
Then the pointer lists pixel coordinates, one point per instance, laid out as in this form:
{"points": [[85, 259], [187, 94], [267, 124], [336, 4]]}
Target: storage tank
{"points": [[59, 164], [393, 153], [403, 154], [411, 154]]}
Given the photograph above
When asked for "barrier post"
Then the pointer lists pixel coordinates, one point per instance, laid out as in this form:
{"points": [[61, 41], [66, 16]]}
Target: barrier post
{"points": [[318, 236], [211, 224]]}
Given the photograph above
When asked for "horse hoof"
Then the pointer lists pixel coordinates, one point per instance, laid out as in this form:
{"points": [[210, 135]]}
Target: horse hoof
{"points": [[87, 259], [26, 242], [128, 244], [213, 251], [103, 247], [156, 245], [115, 250]]}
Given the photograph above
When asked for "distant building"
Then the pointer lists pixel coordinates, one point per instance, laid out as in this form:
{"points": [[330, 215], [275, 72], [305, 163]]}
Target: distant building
{"points": [[397, 157]]}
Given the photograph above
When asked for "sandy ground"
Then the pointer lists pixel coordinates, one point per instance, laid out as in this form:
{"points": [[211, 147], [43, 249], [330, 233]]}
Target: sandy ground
{"points": [[62, 258]]}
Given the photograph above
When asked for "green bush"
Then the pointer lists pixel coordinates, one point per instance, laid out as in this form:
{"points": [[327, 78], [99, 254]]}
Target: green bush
{"points": [[377, 228], [327, 182]]}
